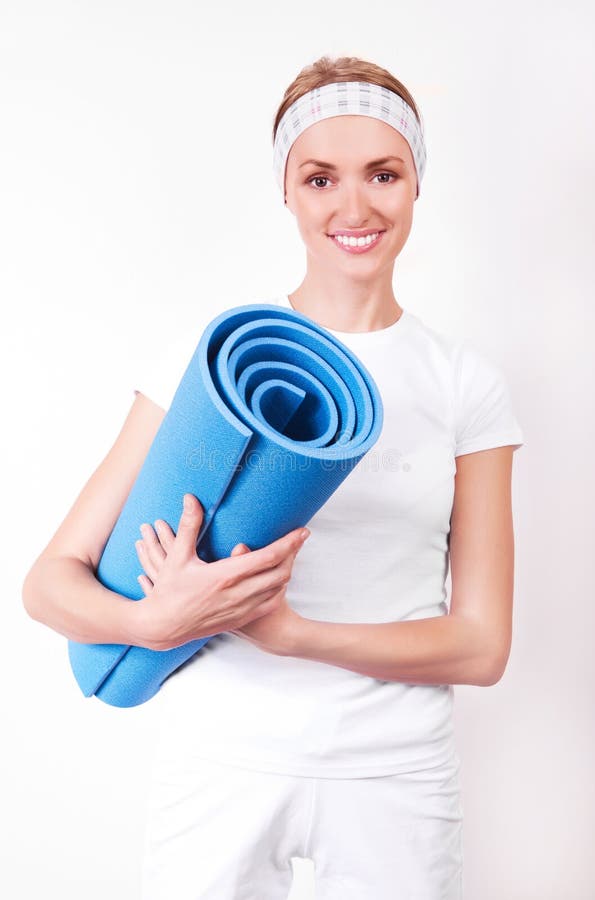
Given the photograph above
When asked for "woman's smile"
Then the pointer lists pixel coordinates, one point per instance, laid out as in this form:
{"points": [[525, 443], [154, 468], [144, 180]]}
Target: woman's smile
{"points": [[352, 244]]}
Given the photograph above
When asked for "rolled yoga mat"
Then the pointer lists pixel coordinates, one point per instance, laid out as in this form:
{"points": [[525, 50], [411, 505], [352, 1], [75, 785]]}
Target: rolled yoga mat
{"points": [[270, 416]]}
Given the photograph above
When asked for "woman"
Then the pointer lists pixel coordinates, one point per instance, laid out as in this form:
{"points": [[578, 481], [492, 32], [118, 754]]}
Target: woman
{"points": [[318, 721]]}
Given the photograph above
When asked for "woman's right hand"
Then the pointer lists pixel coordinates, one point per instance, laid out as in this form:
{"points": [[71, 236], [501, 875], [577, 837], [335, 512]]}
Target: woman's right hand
{"points": [[187, 598]]}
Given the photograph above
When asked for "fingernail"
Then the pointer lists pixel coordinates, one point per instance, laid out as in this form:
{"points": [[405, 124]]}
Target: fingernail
{"points": [[304, 534], [187, 502]]}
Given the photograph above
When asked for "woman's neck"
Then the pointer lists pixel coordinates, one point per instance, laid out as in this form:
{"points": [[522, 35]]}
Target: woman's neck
{"points": [[346, 313]]}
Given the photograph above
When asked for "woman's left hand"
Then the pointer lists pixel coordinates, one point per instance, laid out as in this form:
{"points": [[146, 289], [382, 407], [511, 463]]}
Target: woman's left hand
{"points": [[274, 631]]}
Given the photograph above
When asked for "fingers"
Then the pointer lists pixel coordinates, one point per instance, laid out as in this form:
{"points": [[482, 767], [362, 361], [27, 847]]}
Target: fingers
{"points": [[263, 582], [150, 552], [165, 534], [152, 543], [153, 548], [240, 549], [242, 565], [145, 583], [188, 527]]}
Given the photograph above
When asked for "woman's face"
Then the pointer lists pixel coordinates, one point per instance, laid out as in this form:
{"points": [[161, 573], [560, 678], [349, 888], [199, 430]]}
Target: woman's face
{"points": [[343, 191]]}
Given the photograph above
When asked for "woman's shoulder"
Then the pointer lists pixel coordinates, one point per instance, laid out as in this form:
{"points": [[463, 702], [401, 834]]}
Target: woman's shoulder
{"points": [[483, 406], [458, 349]]}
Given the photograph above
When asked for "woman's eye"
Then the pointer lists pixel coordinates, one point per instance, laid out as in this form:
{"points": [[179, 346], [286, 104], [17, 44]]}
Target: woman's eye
{"points": [[317, 178], [390, 175]]}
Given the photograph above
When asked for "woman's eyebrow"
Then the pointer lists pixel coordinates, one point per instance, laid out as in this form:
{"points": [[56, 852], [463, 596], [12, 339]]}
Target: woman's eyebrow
{"points": [[371, 165]]}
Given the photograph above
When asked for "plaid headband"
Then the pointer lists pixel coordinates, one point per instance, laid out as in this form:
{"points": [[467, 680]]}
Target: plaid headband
{"points": [[348, 98]]}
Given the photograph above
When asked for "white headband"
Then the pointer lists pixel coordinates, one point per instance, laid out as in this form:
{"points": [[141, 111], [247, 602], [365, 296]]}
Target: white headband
{"points": [[348, 98]]}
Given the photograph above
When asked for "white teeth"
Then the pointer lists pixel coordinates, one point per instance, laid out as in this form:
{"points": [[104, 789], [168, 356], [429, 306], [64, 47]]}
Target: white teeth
{"points": [[356, 242]]}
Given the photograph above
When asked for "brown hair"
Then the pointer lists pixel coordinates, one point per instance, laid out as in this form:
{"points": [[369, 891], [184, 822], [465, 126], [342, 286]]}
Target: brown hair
{"points": [[344, 68]]}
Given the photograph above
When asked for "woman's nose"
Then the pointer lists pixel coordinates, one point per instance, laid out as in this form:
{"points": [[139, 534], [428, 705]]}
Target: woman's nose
{"points": [[354, 206]]}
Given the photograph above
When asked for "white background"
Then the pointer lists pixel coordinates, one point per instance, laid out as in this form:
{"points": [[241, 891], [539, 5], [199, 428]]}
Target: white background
{"points": [[136, 185]]}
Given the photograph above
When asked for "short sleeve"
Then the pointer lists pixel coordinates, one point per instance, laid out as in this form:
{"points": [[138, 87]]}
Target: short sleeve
{"points": [[484, 413], [165, 363]]}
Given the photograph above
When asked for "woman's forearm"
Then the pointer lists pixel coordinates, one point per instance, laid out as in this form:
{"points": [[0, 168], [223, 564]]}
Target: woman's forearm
{"points": [[64, 594], [437, 650]]}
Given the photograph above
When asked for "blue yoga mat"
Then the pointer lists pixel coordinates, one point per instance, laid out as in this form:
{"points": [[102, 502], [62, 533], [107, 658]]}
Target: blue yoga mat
{"points": [[270, 416]]}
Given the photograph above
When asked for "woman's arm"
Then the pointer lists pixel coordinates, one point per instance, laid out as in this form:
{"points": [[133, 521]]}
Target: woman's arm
{"points": [[471, 645], [60, 589]]}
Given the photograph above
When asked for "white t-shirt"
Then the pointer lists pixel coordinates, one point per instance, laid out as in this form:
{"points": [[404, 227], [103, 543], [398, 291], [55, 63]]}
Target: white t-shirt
{"points": [[378, 552]]}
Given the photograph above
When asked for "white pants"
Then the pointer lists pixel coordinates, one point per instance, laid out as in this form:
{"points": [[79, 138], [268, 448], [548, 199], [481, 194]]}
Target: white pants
{"points": [[220, 832]]}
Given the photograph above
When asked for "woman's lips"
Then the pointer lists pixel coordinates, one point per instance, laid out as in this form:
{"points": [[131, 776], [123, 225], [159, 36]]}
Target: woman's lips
{"points": [[347, 248]]}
